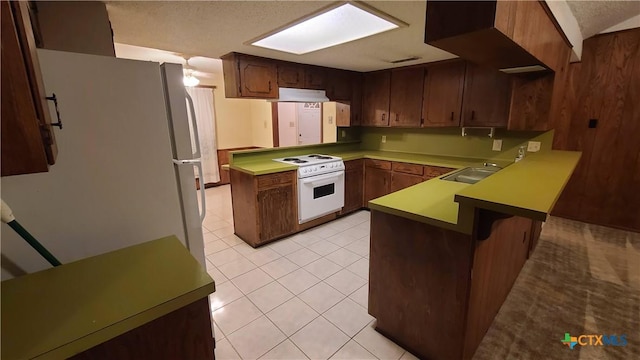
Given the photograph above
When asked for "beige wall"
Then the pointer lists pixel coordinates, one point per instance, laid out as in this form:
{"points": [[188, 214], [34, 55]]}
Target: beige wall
{"points": [[261, 124], [241, 122], [329, 122]]}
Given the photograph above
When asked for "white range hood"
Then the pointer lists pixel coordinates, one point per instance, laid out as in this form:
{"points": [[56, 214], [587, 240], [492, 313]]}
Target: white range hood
{"points": [[300, 95]]}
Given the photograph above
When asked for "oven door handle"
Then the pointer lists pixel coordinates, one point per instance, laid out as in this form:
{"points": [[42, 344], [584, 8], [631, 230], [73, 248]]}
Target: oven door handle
{"points": [[317, 180]]}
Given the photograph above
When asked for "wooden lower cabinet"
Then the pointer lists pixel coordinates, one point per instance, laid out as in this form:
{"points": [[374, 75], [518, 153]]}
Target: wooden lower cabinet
{"points": [[353, 186], [473, 277], [377, 179], [276, 210], [265, 207], [182, 334], [400, 180], [431, 172]]}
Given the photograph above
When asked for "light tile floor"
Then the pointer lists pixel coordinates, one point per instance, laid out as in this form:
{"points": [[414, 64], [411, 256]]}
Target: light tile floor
{"points": [[302, 297]]}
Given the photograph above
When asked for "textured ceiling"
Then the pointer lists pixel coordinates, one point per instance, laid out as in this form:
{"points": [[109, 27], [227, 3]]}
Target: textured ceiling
{"points": [[214, 28], [596, 16]]}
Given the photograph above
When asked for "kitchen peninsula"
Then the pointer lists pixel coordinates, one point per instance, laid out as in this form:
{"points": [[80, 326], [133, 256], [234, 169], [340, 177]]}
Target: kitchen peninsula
{"points": [[444, 254]]}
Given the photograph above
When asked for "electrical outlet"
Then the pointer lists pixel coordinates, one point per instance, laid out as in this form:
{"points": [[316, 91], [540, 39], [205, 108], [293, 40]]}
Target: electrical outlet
{"points": [[384, 139], [330, 119], [265, 124], [343, 134], [533, 146], [497, 145]]}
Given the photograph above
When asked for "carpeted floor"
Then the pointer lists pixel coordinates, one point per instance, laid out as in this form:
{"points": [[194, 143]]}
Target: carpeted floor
{"points": [[582, 279]]}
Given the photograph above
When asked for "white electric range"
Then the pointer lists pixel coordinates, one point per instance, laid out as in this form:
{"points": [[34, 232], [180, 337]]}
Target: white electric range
{"points": [[320, 185]]}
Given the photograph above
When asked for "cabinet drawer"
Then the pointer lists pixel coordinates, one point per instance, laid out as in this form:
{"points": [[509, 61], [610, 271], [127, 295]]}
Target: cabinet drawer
{"points": [[407, 168], [353, 165], [275, 179], [378, 164], [435, 171]]}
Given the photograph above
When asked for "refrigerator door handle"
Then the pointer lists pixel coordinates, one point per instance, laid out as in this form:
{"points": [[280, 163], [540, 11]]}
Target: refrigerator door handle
{"points": [[194, 124], [197, 163]]}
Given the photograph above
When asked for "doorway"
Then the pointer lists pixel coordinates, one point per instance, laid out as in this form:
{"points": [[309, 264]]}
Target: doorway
{"points": [[297, 124]]}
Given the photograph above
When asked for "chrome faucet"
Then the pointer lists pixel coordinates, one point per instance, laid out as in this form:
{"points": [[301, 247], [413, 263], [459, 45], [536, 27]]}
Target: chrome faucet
{"points": [[492, 164]]}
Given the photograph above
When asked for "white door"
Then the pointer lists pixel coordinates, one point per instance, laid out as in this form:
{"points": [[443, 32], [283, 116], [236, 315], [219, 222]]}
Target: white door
{"points": [[287, 124], [309, 123]]}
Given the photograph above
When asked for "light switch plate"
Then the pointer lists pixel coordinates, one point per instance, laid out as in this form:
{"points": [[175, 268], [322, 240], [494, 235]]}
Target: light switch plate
{"points": [[292, 124], [533, 146], [330, 119], [497, 145], [384, 139], [343, 134]]}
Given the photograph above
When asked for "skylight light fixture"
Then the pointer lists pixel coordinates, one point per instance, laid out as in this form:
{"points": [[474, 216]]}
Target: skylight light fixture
{"points": [[337, 24]]}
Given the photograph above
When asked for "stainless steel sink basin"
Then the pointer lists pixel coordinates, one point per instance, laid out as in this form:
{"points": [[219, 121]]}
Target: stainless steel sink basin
{"points": [[472, 175]]}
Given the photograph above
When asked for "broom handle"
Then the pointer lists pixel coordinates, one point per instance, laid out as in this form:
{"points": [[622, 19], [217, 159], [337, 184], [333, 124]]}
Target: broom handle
{"points": [[15, 225]]}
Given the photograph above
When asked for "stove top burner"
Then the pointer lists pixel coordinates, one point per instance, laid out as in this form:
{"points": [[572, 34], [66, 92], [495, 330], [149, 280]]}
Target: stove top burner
{"points": [[321, 157], [295, 160]]}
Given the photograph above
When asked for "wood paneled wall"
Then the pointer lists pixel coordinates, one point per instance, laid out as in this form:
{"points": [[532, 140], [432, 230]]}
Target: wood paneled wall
{"points": [[605, 87], [223, 158]]}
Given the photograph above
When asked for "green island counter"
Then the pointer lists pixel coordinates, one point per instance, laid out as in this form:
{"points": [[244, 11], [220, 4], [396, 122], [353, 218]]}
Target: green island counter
{"points": [[148, 301]]}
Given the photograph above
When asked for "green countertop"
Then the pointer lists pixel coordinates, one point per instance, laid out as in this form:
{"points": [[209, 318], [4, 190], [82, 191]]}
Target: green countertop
{"points": [[527, 188], [59, 312], [267, 166]]}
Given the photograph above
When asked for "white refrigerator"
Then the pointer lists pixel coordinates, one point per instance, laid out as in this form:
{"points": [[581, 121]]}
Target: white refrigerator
{"points": [[125, 167]]}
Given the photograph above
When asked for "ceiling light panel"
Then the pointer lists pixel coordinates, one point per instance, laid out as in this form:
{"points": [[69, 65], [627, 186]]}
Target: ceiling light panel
{"points": [[336, 26]]}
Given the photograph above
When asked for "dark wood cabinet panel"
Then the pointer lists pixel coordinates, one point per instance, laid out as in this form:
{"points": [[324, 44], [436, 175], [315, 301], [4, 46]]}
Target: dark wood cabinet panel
{"points": [[356, 100], [400, 180], [276, 211], [257, 78], [249, 77], [28, 142], [339, 85], [268, 203], [315, 78], [499, 34], [377, 183], [353, 186], [375, 98], [182, 334], [290, 75], [486, 97], [434, 171], [405, 102], [442, 105], [406, 168]]}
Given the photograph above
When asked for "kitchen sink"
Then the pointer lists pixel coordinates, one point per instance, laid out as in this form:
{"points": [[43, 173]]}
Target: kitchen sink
{"points": [[472, 175]]}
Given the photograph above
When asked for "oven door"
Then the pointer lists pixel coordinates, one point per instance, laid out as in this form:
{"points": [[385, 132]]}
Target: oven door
{"points": [[320, 195]]}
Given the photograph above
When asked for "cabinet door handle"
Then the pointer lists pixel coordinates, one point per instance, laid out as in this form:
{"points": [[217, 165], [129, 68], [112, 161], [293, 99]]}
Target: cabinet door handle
{"points": [[397, 117], [473, 114], [524, 237], [55, 104], [269, 85], [452, 116], [384, 116]]}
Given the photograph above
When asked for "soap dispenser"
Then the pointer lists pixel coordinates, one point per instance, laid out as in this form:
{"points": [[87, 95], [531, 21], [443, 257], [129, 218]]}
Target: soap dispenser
{"points": [[521, 153]]}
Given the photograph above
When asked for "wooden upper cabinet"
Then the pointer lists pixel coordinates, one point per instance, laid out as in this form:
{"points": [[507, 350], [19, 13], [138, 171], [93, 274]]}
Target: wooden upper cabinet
{"points": [[249, 77], [343, 114], [498, 34], [442, 105], [315, 77], [486, 97], [339, 85], [28, 143], [375, 98], [405, 102], [290, 75]]}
